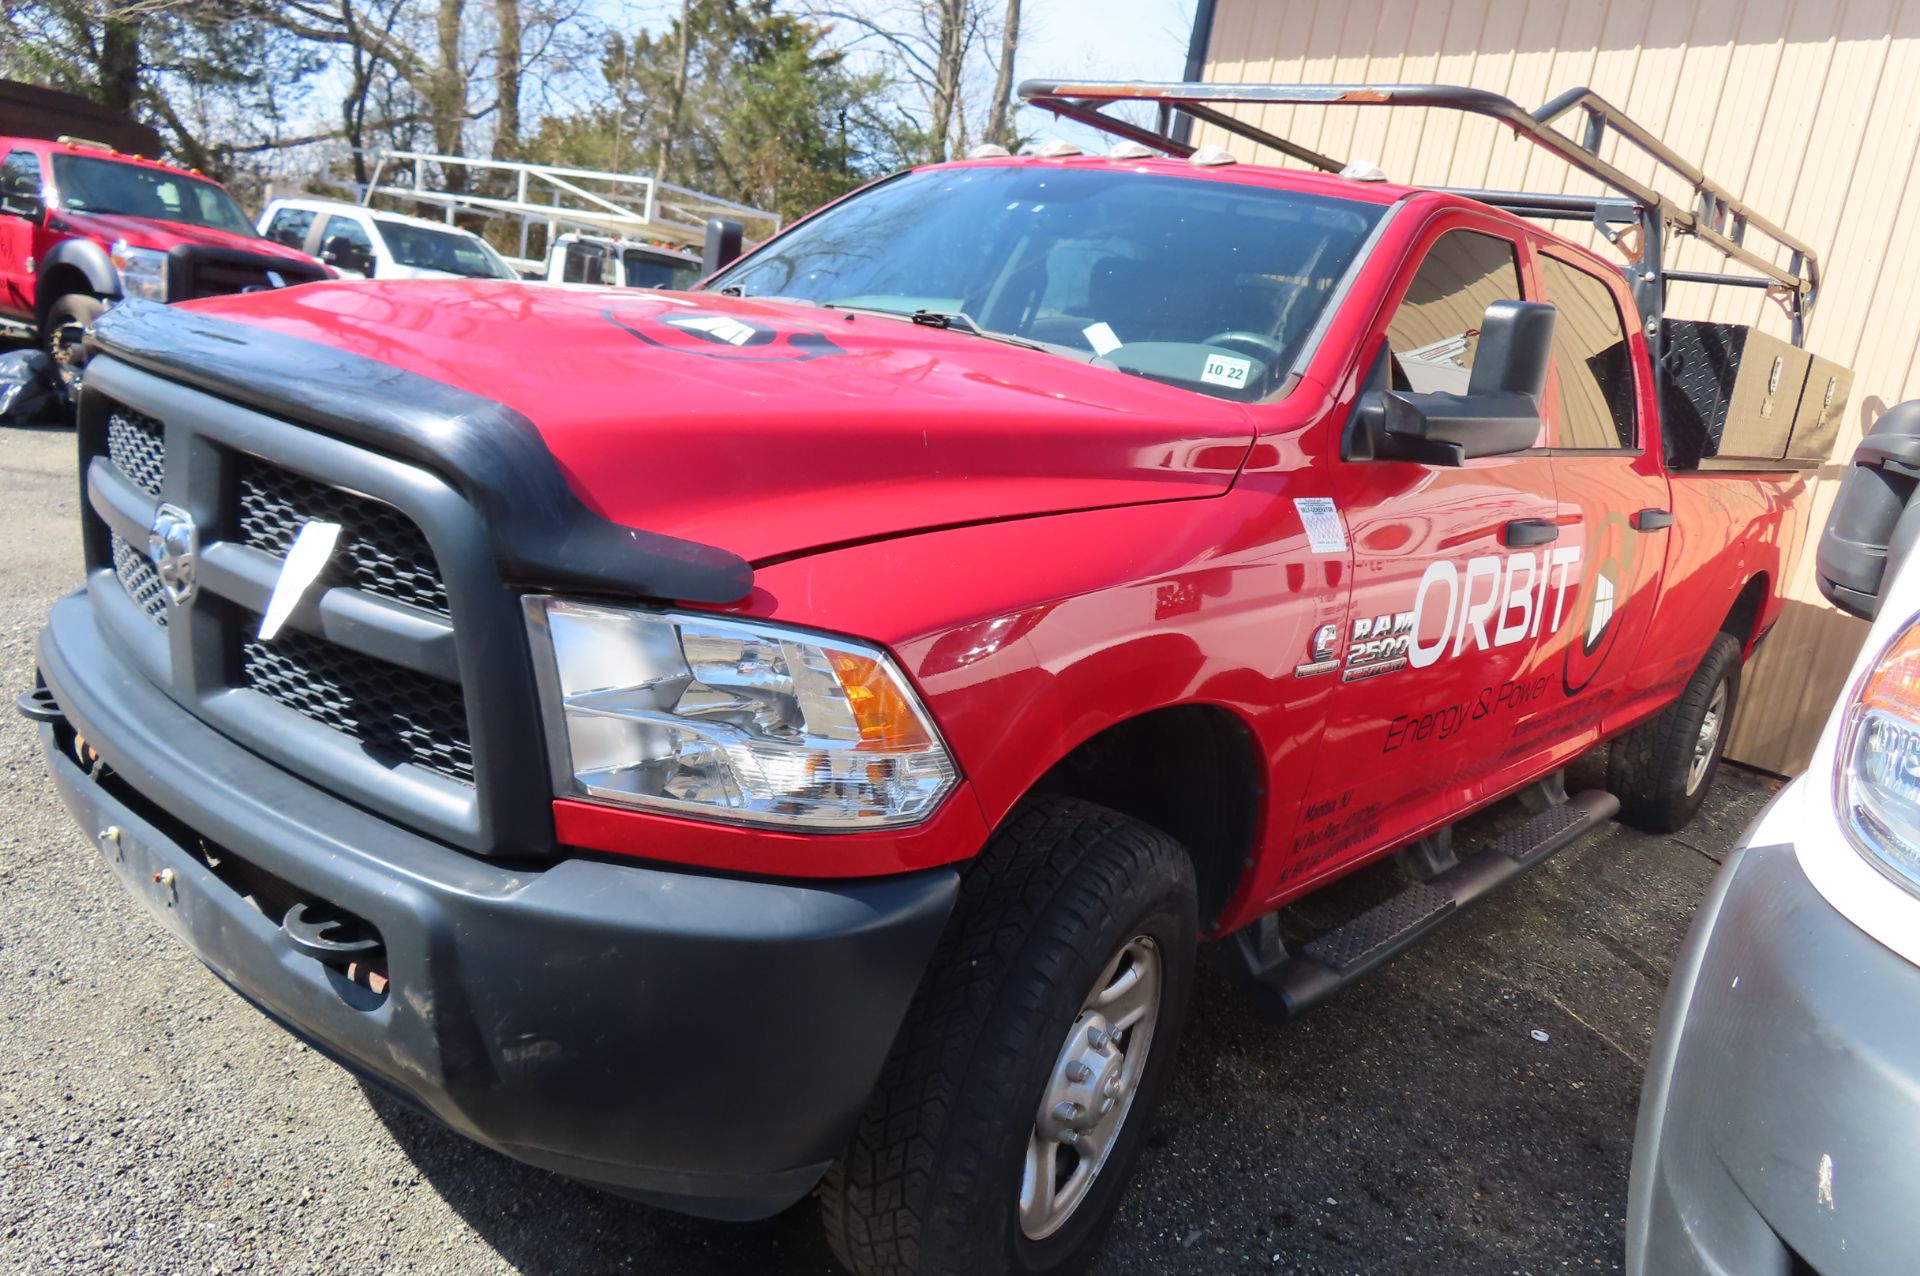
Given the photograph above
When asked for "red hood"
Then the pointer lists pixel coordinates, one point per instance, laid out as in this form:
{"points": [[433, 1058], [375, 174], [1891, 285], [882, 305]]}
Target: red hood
{"points": [[148, 232], [768, 428]]}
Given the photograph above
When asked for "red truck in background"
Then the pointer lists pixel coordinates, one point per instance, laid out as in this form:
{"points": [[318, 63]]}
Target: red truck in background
{"points": [[796, 735], [83, 226]]}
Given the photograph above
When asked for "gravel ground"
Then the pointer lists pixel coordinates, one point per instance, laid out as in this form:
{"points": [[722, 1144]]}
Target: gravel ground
{"points": [[151, 1121]]}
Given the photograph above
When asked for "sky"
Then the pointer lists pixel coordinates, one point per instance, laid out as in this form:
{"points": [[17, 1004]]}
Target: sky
{"points": [[1060, 39], [1100, 40]]}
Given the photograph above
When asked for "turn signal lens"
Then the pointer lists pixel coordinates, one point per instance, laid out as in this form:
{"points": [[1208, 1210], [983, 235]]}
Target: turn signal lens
{"points": [[1879, 779], [880, 708]]}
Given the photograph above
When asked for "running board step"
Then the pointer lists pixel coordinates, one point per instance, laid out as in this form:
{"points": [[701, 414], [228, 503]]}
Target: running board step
{"points": [[1291, 985]]}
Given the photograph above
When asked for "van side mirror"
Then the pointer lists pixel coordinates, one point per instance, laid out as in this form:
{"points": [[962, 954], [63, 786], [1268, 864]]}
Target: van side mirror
{"points": [[1875, 521], [1499, 413]]}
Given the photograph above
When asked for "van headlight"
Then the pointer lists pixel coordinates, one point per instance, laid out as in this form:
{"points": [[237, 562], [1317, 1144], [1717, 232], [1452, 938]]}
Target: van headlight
{"points": [[143, 271], [732, 720], [1879, 770]]}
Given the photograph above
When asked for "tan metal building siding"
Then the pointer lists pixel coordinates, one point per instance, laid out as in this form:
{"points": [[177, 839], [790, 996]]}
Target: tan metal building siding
{"points": [[1807, 109]]}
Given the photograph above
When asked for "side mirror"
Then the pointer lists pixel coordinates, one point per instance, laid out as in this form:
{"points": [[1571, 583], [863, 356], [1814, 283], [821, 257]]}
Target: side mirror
{"points": [[1499, 413], [724, 239], [1875, 522], [24, 204]]}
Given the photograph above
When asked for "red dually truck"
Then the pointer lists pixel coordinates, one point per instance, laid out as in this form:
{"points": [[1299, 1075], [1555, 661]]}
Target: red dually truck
{"points": [[796, 736], [83, 226]]}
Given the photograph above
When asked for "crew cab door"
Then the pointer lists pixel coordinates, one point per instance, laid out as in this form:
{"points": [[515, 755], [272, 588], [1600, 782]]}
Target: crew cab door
{"points": [[21, 212], [1457, 573], [1600, 406]]}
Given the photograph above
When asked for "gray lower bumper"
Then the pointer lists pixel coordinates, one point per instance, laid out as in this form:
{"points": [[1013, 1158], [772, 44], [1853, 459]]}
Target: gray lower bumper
{"points": [[1780, 1125], [700, 1041]]}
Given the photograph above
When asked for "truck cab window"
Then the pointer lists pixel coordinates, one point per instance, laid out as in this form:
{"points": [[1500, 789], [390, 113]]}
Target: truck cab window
{"points": [[20, 180], [1436, 330], [290, 226], [1592, 404]]}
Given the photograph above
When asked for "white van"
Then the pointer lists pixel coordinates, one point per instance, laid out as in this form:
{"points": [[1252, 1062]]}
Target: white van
{"points": [[367, 243]]}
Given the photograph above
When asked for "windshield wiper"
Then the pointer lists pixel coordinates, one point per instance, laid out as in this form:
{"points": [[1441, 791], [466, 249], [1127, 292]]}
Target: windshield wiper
{"points": [[960, 321]]}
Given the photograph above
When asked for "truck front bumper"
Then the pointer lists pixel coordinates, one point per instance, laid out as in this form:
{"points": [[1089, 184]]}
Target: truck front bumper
{"points": [[702, 1042], [1782, 1104]]}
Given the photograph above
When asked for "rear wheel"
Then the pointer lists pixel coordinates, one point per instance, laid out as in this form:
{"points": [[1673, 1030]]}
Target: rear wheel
{"points": [[1012, 1109], [63, 336], [1661, 770]]}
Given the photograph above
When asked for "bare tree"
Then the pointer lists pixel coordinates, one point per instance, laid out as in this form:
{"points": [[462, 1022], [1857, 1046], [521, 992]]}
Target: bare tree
{"points": [[506, 79], [1000, 111], [933, 48]]}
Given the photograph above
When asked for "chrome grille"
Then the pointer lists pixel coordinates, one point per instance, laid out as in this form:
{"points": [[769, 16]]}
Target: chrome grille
{"points": [[397, 714], [134, 444], [139, 579], [380, 550]]}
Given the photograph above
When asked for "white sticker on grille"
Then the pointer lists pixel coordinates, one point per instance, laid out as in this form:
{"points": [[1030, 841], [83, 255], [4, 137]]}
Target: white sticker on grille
{"points": [[312, 546]]}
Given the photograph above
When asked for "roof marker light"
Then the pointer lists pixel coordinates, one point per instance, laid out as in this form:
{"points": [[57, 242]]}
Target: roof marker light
{"points": [[987, 150], [1056, 148], [1363, 171], [1131, 151], [1210, 156]]}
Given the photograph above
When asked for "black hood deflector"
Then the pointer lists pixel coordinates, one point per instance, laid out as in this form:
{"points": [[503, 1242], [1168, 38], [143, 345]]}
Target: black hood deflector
{"points": [[542, 535]]}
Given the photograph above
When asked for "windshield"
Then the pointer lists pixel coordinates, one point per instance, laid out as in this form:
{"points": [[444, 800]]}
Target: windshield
{"points": [[1208, 285], [644, 270], [453, 251], [90, 185]]}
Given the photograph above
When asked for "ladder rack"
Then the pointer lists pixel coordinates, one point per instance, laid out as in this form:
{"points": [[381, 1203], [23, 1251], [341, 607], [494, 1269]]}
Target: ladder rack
{"points": [[634, 206], [1713, 215]]}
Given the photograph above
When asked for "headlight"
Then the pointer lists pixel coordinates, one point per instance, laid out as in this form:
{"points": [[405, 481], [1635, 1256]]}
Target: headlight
{"points": [[1879, 780], [732, 720], [143, 271]]}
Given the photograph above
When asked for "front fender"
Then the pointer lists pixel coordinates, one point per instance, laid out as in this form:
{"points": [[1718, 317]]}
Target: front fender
{"points": [[84, 256], [1028, 637]]}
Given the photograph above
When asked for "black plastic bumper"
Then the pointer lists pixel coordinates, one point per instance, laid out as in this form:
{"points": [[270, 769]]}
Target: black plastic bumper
{"points": [[703, 1042], [1781, 1114]]}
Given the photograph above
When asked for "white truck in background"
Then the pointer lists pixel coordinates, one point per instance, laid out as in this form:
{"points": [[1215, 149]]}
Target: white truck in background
{"points": [[621, 263]]}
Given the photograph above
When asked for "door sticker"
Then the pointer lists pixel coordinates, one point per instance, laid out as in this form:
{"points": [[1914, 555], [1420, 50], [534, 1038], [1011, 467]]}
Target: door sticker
{"points": [[1321, 517], [1227, 370]]}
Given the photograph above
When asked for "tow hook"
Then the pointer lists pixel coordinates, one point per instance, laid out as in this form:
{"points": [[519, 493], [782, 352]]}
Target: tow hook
{"points": [[308, 933], [38, 705]]}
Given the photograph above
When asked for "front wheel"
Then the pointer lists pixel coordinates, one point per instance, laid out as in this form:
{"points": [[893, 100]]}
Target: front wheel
{"points": [[63, 334], [1009, 1116], [1661, 770]]}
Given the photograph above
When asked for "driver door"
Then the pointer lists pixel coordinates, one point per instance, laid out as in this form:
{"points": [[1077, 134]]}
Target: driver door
{"points": [[20, 190], [1456, 582]]}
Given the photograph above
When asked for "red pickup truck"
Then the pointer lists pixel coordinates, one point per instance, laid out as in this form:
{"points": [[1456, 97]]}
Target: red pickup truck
{"points": [[797, 735], [82, 226]]}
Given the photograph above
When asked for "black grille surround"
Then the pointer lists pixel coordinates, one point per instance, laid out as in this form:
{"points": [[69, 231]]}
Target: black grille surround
{"points": [[396, 714], [367, 690], [380, 550], [197, 270]]}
